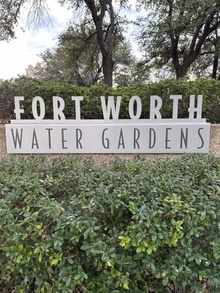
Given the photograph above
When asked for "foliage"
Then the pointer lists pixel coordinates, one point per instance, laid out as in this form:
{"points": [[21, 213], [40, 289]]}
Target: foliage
{"points": [[101, 14], [178, 32], [77, 59], [178, 36], [10, 12], [138, 226], [91, 105], [8, 20]]}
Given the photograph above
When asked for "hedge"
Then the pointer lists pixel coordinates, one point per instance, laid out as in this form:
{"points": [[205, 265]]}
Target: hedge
{"points": [[133, 226], [91, 106]]}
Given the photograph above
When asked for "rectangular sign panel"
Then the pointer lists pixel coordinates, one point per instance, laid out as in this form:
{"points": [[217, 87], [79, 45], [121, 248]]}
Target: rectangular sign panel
{"points": [[100, 136]]}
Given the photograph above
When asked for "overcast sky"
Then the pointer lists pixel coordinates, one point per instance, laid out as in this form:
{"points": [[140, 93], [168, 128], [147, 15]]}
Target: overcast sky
{"points": [[16, 55]]}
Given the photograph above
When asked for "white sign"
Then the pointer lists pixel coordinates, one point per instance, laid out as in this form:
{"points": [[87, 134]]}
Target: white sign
{"points": [[110, 134]]}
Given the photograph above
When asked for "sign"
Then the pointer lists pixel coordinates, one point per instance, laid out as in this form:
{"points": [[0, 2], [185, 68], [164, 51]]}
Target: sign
{"points": [[110, 134]]}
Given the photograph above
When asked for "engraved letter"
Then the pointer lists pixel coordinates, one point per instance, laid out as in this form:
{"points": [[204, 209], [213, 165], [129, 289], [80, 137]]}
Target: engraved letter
{"points": [[105, 141]]}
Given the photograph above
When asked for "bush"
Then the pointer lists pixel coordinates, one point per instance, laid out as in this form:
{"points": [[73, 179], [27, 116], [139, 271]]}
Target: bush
{"points": [[91, 106], [138, 226]]}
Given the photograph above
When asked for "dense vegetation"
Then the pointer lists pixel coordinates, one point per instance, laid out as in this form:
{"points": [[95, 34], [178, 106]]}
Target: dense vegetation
{"points": [[139, 226], [91, 106]]}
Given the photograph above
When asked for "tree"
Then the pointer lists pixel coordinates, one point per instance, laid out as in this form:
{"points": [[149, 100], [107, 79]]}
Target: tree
{"points": [[216, 45], [100, 12], [77, 58], [178, 30], [10, 12], [79, 51], [104, 18], [207, 63]]}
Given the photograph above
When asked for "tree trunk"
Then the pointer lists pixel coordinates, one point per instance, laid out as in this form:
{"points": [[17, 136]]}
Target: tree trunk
{"points": [[181, 71], [104, 37], [215, 67], [216, 56], [107, 67]]}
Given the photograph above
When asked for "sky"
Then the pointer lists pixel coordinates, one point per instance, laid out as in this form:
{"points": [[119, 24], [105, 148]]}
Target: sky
{"points": [[17, 54]]}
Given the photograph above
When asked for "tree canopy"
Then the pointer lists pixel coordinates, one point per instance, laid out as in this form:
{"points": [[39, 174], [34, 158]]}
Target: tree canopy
{"points": [[101, 13], [77, 59], [9, 15], [177, 31], [10, 12], [177, 37]]}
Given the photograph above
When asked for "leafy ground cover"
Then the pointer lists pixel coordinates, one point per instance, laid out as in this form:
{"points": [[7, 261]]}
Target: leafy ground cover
{"points": [[70, 226]]}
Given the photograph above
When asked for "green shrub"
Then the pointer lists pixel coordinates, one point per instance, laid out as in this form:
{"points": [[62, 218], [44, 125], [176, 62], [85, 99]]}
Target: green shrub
{"points": [[138, 226], [91, 106]]}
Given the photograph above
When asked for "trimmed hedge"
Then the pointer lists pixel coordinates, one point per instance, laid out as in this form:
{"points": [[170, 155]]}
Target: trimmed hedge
{"points": [[70, 226], [91, 106]]}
